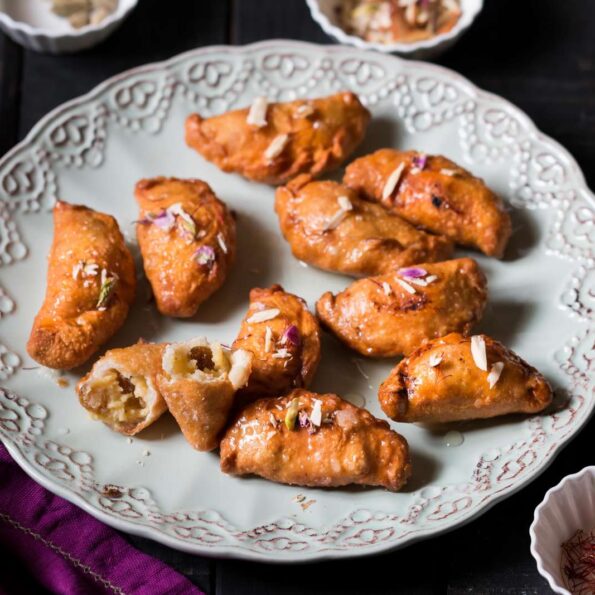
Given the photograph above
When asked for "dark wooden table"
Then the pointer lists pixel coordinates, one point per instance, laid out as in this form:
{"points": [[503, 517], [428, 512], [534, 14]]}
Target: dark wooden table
{"points": [[540, 54]]}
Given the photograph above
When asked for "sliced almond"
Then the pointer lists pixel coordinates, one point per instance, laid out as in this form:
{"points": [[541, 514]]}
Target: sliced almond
{"points": [[263, 315], [258, 111], [478, 352], [392, 181], [276, 147], [408, 288], [495, 372]]}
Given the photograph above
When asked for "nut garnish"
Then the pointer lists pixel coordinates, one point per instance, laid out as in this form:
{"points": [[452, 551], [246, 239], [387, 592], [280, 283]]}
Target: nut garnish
{"points": [[263, 315], [221, 242], [84, 269], [344, 207], [435, 359], [292, 413], [478, 352], [276, 147], [392, 181], [258, 111], [495, 372], [282, 353], [408, 288], [316, 415], [108, 286]]}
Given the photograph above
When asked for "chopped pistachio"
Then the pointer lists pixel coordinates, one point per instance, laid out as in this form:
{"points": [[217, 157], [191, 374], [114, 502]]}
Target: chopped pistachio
{"points": [[106, 292], [292, 414], [187, 224]]}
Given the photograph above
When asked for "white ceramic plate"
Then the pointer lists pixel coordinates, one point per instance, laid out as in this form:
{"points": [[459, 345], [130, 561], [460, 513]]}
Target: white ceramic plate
{"points": [[92, 150]]}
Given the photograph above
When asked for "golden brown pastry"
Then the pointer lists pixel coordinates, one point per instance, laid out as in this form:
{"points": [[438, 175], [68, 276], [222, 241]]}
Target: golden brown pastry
{"points": [[456, 377], [121, 389], [284, 339], [273, 142], [90, 286], [187, 238], [314, 440], [329, 226], [199, 382], [435, 193], [392, 314]]}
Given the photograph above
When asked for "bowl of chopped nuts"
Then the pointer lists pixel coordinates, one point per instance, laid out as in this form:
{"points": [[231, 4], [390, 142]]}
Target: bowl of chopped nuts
{"points": [[409, 28], [62, 26], [563, 534]]}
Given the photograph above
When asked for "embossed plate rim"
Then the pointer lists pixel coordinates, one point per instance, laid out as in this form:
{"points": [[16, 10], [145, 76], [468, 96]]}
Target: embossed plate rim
{"points": [[240, 549]]}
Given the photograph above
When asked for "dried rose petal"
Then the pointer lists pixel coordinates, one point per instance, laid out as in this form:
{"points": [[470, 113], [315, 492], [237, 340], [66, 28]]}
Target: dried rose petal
{"points": [[291, 335], [205, 256], [163, 220], [303, 419], [420, 161], [412, 273]]}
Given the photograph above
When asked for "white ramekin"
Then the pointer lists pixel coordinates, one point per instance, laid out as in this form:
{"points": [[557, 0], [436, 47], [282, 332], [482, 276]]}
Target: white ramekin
{"points": [[324, 13], [566, 508], [55, 35]]}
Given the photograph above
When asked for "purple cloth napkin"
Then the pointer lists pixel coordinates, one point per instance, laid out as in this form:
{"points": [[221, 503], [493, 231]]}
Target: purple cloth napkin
{"points": [[65, 550]]}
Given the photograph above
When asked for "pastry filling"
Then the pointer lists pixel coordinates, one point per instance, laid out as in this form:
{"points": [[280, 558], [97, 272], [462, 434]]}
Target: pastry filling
{"points": [[116, 399], [197, 358], [202, 358], [204, 361]]}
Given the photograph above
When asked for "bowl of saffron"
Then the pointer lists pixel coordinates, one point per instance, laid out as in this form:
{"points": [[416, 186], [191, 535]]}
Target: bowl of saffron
{"points": [[563, 534]]}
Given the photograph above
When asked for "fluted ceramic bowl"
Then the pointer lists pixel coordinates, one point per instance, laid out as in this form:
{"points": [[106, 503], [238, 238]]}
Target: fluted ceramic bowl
{"points": [[324, 12], [566, 508], [32, 24]]}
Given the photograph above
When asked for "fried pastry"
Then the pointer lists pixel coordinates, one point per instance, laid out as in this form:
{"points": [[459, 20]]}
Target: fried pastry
{"points": [[284, 339], [187, 238], [390, 315], [199, 382], [434, 193], [327, 225], [315, 440], [274, 142], [455, 378], [91, 284], [121, 389]]}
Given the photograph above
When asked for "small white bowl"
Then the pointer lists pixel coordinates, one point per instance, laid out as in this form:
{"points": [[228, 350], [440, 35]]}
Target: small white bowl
{"points": [[566, 508], [325, 14], [32, 24]]}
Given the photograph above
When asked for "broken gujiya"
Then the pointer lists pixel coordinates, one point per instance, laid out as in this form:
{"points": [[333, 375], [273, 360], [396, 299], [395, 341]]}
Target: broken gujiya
{"points": [[199, 382], [121, 390]]}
